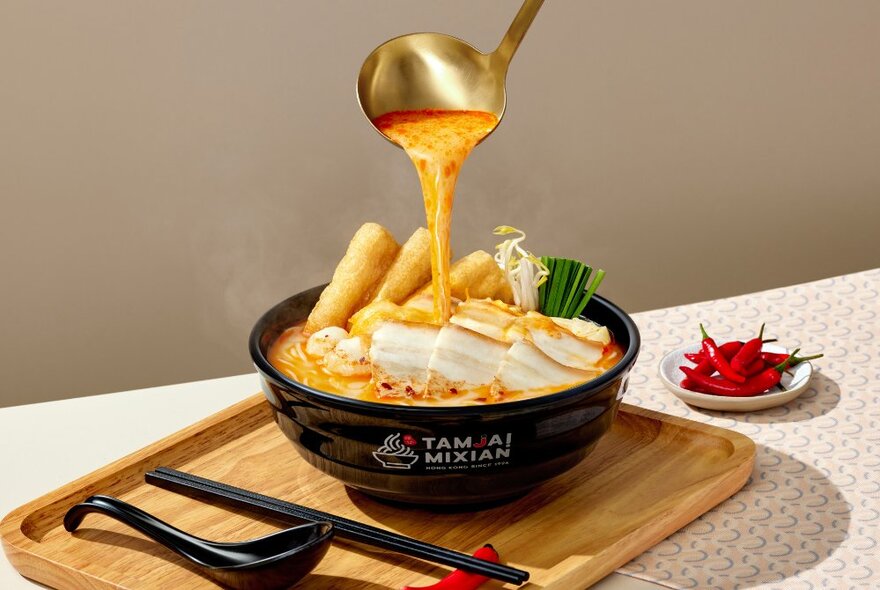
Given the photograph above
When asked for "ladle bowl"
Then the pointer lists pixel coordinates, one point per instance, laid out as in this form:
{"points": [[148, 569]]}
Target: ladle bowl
{"points": [[436, 71]]}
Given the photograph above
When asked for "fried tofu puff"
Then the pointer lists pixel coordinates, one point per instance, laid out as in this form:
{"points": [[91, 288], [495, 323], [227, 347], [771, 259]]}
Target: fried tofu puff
{"points": [[410, 270], [370, 254], [476, 276]]}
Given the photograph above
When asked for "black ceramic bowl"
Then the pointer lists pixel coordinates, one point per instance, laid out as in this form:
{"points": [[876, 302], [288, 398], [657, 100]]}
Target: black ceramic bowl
{"points": [[442, 455]]}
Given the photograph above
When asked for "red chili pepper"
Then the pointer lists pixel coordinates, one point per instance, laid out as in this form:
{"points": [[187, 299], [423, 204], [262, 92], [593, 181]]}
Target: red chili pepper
{"points": [[716, 357], [754, 386], [460, 579], [728, 349], [774, 358], [694, 357], [704, 367], [748, 353], [690, 385], [756, 366]]}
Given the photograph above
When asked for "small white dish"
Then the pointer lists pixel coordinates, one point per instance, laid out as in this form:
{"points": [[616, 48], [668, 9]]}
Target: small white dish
{"points": [[795, 384]]}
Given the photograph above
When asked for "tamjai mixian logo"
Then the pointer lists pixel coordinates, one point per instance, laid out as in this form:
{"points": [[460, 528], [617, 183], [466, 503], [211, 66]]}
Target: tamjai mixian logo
{"points": [[441, 453]]}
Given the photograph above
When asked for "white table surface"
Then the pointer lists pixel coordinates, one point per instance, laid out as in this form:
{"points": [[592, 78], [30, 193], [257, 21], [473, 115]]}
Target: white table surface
{"points": [[43, 446]]}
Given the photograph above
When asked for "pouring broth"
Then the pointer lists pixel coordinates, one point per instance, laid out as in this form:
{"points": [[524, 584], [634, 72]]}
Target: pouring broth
{"points": [[438, 142]]}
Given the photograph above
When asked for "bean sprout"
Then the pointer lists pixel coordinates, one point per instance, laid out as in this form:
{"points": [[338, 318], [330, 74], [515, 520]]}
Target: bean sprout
{"points": [[523, 270]]}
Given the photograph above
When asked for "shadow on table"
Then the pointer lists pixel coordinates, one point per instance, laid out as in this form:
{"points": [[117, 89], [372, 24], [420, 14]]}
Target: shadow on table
{"points": [[821, 397], [786, 520]]}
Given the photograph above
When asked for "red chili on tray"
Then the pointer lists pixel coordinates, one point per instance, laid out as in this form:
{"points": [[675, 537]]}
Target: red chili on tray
{"points": [[744, 368], [460, 579]]}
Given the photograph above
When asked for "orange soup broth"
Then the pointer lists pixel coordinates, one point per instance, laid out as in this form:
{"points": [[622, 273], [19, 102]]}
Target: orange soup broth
{"points": [[437, 142], [288, 355]]}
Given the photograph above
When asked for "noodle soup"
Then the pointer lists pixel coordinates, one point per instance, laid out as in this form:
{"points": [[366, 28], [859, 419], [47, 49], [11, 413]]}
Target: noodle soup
{"points": [[290, 353], [390, 450]]}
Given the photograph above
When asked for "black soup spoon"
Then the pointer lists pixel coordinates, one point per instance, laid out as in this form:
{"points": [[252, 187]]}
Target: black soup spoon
{"points": [[277, 560]]}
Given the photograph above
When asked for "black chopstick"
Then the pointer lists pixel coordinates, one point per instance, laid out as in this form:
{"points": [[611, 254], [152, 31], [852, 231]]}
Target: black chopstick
{"points": [[206, 489]]}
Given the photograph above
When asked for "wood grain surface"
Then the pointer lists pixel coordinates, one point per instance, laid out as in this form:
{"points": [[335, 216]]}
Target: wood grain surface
{"points": [[648, 477]]}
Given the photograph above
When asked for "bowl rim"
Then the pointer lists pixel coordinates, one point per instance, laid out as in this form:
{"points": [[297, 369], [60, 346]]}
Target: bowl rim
{"points": [[266, 368]]}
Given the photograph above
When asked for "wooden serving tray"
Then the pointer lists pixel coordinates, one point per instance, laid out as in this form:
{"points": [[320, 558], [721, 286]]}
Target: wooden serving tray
{"points": [[648, 477]]}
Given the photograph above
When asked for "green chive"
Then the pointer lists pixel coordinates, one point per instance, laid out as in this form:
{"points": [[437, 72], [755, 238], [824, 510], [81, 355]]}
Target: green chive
{"points": [[561, 271], [563, 294], [576, 290], [600, 274], [569, 293]]}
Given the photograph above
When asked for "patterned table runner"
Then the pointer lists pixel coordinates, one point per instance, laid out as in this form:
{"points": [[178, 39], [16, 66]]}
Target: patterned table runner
{"points": [[809, 517]]}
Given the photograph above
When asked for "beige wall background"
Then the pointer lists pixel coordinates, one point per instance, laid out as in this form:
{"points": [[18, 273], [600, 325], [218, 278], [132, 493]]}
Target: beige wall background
{"points": [[168, 170]]}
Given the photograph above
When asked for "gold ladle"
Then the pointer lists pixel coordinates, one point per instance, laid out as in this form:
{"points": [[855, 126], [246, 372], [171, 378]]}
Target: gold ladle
{"points": [[437, 71]]}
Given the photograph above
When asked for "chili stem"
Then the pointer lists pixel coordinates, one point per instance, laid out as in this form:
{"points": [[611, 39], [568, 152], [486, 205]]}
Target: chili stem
{"points": [[781, 367]]}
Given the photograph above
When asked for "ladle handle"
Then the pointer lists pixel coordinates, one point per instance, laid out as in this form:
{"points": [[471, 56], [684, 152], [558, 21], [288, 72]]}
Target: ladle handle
{"points": [[514, 36], [158, 530]]}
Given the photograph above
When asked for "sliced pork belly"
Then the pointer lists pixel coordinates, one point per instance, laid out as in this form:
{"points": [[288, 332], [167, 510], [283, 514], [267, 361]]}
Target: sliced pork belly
{"points": [[463, 360], [399, 354], [558, 343], [526, 368], [585, 329], [485, 316]]}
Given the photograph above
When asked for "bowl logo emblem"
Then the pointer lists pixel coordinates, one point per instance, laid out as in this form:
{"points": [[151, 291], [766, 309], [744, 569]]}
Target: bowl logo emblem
{"points": [[445, 452], [397, 454]]}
